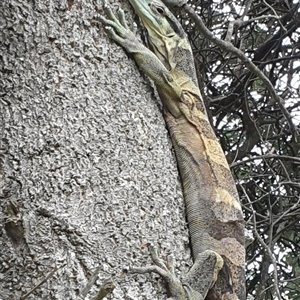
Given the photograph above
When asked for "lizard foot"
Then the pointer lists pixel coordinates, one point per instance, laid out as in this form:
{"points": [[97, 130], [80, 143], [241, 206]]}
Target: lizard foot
{"points": [[118, 30], [196, 284], [165, 270]]}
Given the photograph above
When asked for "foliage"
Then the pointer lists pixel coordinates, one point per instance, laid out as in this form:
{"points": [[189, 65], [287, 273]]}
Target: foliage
{"points": [[260, 144]]}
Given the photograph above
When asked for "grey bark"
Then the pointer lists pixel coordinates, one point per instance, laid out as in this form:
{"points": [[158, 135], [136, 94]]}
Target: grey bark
{"points": [[87, 169]]}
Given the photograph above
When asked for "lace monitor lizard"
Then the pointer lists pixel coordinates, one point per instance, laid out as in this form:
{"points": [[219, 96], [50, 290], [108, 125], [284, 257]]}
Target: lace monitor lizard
{"points": [[213, 209]]}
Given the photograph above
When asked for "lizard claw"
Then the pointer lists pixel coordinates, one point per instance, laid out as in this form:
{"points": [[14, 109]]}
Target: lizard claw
{"points": [[117, 27], [165, 270], [122, 19], [156, 259], [167, 266], [134, 28]]}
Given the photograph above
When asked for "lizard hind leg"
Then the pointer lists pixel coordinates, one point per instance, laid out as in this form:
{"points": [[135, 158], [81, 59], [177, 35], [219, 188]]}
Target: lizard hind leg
{"points": [[203, 274], [166, 271], [196, 284]]}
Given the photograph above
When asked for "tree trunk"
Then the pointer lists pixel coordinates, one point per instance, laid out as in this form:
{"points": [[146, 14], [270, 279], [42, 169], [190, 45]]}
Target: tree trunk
{"points": [[87, 169]]}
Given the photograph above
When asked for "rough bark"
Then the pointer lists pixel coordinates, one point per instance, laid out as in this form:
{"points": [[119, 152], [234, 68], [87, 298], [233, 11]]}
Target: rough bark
{"points": [[87, 169]]}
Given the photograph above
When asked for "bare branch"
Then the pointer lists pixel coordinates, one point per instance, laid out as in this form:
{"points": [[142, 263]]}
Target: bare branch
{"points": [[274, 11], [266, 247], [244, 59], [267, 156], [42, 282]]}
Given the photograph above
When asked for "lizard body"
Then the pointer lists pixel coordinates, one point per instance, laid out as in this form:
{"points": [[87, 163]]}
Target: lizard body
{"points": [[213, 210]]}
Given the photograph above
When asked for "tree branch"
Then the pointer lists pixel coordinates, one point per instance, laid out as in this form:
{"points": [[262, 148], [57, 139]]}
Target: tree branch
{"points": [[42, 281], [266, 156], [244, 59], [265, 246]]}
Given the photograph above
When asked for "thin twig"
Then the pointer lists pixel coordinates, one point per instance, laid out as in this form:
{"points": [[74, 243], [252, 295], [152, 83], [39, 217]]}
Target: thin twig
{"points": [[41, 282], [239, 23], [91, 282], [266, 247], [274, 11], [266, 156]]}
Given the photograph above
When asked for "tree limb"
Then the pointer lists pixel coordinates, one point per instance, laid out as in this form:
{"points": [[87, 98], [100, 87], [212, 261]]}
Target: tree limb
{"points": [[244, 59]]}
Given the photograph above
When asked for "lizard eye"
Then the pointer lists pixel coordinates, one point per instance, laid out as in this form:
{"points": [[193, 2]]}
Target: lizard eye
{"points": [[160, 10], [157, 9]]}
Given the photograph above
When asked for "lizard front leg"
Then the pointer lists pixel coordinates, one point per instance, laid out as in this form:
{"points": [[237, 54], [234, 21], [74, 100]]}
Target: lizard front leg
{"points": [[148, 62], [196, 284]]}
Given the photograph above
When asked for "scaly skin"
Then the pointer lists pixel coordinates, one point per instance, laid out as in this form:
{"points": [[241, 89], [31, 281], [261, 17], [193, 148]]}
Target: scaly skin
{"points": [[213, 209]]}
